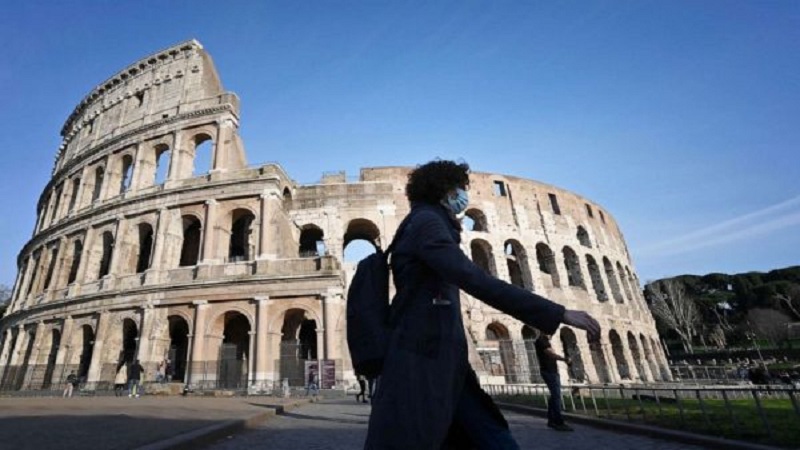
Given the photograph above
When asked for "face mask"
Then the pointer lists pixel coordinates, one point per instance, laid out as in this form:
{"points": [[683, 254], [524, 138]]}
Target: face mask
{"points": [[457, 203]]}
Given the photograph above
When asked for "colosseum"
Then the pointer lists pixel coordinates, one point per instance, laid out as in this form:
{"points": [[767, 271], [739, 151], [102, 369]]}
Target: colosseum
{"points": [[155, 240]]}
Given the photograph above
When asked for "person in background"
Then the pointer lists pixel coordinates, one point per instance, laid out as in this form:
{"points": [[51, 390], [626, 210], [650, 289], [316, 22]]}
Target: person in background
{"points": [[548, 367]]}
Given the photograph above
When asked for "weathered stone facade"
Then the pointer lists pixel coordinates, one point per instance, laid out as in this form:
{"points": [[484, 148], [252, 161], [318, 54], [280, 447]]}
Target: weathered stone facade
{"points": [[155, 238]]}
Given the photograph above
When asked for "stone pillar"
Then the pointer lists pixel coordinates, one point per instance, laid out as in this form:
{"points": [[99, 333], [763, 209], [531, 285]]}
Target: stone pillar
{"points": [[86, 255], [143, 353], [251, 366], [117, 246], [138, 168], [96, 365], [611, 363], [8, 337], [79, 200], [106, 181], [219, 151], [63, 252], [632, 367], [177, 159], [199, 341], [63, 349], [262, 229], [156, 258], [21, 339], [209, 226], [261, 355], [22, 289]]}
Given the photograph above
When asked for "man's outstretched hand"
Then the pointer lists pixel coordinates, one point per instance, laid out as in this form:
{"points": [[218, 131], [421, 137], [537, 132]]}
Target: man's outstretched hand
{"points": [[582, 320]]}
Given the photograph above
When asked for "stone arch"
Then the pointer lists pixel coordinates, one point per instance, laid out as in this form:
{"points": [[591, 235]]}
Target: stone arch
{"points": [[86, 350], [163, 161], [126, 173], [51, 266], [73, 195], [202, 153], [312, 241], [569, 342], [475, 220], [650, 358], [25, 362], [242, 243], [547, 263], [633, 345], [597, 279], [144, 247], [529, 337], [599, 361], [497, 335], [298, 344], [52, 352], [583, 237], [361, 238], [287, 198], [625, 285], [619, 355], [192, 228], [99, 175], [229, 338], [612, 280], [517, 261], [573, 265], [482, 256], [662, 365], [178, 346], [77, 251], [107, 247]]}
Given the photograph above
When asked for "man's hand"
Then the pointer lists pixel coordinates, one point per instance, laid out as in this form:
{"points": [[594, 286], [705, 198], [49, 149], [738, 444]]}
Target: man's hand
{"points": [[582, 320]]}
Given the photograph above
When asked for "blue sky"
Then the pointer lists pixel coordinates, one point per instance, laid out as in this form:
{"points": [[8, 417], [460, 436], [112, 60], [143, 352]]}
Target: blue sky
{"points": [[681, 118]]}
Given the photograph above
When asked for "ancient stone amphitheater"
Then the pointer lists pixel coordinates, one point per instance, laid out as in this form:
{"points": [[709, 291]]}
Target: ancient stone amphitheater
{"points": [[155, 240]]}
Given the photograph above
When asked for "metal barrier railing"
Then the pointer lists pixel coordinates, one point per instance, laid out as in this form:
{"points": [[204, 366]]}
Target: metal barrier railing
{"points": [[762, 414]]}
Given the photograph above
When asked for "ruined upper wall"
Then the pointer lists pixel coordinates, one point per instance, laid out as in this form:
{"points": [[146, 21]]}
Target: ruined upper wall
{"points": [[174, 81]]}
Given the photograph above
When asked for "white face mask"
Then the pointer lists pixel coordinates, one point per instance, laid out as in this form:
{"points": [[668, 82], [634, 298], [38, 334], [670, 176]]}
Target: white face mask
{"points": [[457, 203]]}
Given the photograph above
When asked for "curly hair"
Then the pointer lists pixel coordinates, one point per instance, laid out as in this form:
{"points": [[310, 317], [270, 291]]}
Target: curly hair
{"points": [[431, 181]]}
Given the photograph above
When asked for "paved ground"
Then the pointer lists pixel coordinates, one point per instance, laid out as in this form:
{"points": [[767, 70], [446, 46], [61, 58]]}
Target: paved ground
{"points": [[116, 422], [341, 424]]}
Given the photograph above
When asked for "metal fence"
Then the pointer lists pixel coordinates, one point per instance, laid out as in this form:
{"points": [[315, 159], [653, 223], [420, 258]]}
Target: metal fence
{"points": [[763, 414]]}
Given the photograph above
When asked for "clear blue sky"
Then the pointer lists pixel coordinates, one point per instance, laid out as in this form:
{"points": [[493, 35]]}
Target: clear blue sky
{"points": [[681, 118]]}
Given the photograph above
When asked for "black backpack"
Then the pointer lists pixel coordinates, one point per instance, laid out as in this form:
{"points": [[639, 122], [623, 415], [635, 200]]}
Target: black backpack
{"points": [[368, 311]]}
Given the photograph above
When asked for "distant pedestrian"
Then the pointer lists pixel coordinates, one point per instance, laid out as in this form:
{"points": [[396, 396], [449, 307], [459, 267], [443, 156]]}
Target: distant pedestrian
{"points": [[71, 384], [121, 380], [312, 386], [362, 384], [549, 370], [169, 370], [134, 378]]}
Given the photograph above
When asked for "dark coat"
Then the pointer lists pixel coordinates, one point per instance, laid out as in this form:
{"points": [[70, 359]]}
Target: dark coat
{"points": [[426, 367]]}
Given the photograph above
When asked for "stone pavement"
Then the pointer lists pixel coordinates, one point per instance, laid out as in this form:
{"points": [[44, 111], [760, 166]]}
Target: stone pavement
{"points": [[341, 424], [123, 423]]}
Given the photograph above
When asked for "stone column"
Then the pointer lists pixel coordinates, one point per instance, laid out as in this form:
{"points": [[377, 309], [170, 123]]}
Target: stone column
{"points": [[251, 366], [63, 252], [79, 201], [262, 353], [117, 246], [86, 255], [22, 289], [106, 181], [8, 336], [96, 365], [199, 341], [156, 259], [209, 226], [177, 161], [144, 351], [18, 346], [138, 166], [219, 151], [63, 349], [262, 229], [633, 369]]}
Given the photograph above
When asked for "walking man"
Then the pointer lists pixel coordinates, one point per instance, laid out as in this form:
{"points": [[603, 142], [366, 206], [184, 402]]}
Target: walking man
{"points": [[71, 383], [548, 367], [134, 377]]}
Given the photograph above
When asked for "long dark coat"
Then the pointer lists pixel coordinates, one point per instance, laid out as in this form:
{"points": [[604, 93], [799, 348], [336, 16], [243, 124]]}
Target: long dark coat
{"points": [[426, 369]]}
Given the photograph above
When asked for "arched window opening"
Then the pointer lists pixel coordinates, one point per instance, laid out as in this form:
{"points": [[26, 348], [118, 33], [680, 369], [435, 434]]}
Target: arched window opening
{"points": [[130, 342], [625, 285], [361, 239], [36, 256], [569, 342], [573, 266], [203, 149], [298, 345], [127, 174], [99, 175], [22, 369], [619, 355], [547, 263], [475, 220], [145, 247], [651, 360], [517, 263], [529, 336], [612, 280], [241, 246], [51, 267], [77, 251], [178, 348], [190, 248], [583, 237], [498, 357], [287, 198], [312, 243], [73, 196], [87, 348], [637, 357], [481, 252], [597, 280], [599, 361], [636, 290], [234, 351], [56, 202], [662, 365], [105, 258], [55, 343], [163, 157]]}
